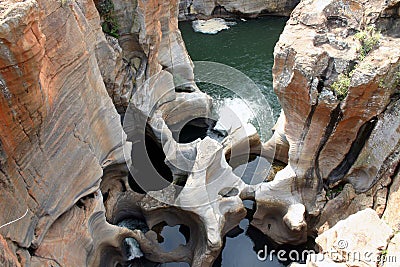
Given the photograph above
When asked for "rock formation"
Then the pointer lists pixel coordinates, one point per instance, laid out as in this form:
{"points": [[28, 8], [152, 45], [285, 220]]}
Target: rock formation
{"points": [[190, 8], [343, 245], [73, 169], [333, 135], [336, 74]]}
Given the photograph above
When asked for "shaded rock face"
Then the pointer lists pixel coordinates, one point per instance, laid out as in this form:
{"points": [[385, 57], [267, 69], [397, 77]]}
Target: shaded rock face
{"points": [[188, 8], [145, 47], [61, 81]]}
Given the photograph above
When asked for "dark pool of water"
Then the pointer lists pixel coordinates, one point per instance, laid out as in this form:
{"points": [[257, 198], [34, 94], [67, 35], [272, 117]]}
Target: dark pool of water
{"points": [[254, 171], [247, 46], [172, 237], [243, 243]]}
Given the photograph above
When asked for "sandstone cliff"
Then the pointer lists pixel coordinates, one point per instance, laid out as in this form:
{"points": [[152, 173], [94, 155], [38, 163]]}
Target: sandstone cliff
{"points": [[334, 134], [336, 74], [64, 155], [62, 80], [59, 128]]}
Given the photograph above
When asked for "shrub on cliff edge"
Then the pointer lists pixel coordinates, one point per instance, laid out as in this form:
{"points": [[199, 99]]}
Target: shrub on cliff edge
{"points": [[369, 39], [110, 24]]}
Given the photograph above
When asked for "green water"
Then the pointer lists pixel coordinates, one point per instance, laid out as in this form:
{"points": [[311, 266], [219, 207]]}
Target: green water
{"points": [[247, 46]]}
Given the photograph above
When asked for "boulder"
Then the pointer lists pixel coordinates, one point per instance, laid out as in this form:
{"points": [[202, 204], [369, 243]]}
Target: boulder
{"points": [[360, 245]]}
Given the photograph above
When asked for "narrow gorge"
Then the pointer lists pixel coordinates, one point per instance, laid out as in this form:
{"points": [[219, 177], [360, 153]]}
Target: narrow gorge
{"points": [[123, 144]]}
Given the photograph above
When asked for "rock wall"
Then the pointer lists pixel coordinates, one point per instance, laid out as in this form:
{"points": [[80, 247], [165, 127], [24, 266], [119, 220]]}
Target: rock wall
{"points": [[59, 130], [62, 80], [145, 47], [188, 8], [344, 145], [63, 172]]}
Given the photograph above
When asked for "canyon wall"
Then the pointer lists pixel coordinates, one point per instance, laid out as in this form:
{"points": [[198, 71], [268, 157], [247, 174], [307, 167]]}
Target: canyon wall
{"points": [[63, 83], [59, 128], [190, 8], [337, 76], [64, 155]]}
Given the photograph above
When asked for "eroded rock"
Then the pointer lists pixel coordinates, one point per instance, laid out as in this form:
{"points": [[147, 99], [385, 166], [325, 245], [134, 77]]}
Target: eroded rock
{"points": [[328, 132], [188, 8]]}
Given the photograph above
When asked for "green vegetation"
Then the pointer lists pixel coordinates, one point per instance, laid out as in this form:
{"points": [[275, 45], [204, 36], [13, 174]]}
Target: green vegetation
{"points": [[397, 79], [341, 86], [369, 39], [335, 191], [110, 24], [384, 252]]}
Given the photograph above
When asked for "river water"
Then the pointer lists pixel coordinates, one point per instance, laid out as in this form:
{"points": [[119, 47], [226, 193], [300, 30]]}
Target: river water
{"points": [[248, 47]]}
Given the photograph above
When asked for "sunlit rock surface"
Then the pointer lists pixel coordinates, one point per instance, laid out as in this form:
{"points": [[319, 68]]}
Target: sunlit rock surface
{"points": [[59, 128], [333, 136], [361, 245], [65, 160]]}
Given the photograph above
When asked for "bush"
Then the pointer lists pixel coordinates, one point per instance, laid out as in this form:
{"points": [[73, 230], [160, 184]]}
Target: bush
{"points": [[110, 24], [334, 192], [397, 82], [341, 86], [369, 39]]}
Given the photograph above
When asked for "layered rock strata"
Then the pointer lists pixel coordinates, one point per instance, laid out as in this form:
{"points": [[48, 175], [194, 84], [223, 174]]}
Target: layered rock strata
{"points": [[64, 157], [334, 135], [59, 128]]}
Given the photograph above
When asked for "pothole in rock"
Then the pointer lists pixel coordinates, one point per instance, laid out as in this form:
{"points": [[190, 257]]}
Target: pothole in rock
{"points": [[253, 169], [171, 237], [149, 171], [242, 246], [197, 128]]}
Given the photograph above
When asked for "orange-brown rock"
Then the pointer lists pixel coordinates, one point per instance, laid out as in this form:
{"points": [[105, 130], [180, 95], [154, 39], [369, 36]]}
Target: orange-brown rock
{"points": [[61, 79], [326, 135], [7, 257], [338, 137], [58, 127]]}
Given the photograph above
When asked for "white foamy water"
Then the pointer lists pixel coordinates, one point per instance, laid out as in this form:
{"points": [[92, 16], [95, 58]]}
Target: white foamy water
{"points": [[233, 113], [134, 250], [132, 246], [211, 26]]}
